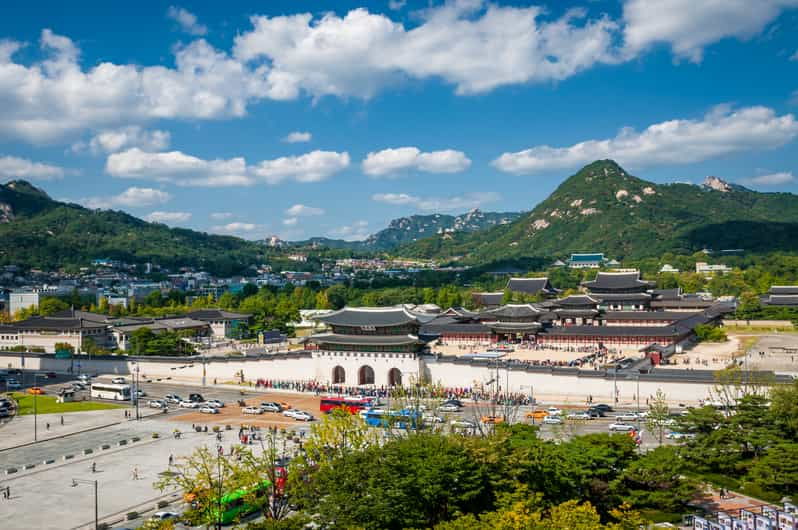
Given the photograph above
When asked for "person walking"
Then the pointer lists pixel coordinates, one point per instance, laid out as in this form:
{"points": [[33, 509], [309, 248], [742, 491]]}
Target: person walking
{"points": [[135, 474], [7, 492], [62, 420], [171, 460], [94, 467]]}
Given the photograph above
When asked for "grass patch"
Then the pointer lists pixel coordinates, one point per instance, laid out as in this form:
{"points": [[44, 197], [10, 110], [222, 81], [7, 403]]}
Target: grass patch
{"points": [[658, 516], [48, 405]]}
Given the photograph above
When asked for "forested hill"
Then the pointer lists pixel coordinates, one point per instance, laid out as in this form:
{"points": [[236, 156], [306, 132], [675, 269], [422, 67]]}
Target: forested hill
{"points": [[37, 231], [604, 209]]}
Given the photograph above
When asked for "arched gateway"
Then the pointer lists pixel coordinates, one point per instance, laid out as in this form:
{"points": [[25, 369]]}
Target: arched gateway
{"points": [[365, 376], [395, 377], [338, 375]]}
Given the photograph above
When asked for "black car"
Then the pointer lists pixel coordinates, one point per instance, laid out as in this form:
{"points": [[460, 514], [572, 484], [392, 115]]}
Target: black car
{"points": [[455, 402], [599, 412], [196, 398], [603, 407]]}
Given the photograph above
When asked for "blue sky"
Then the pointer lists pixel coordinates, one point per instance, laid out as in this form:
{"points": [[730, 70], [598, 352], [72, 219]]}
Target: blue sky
{"points": [[184, 113]]}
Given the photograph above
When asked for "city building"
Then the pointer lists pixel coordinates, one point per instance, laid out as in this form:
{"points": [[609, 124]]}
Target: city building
{"points": [[586, 261], [531, 287], [19, 300], [224, 324]]}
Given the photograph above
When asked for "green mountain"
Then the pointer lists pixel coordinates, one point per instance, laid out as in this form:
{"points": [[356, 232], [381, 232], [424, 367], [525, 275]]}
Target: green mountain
{"points": [[37, 231], [604, 209]]}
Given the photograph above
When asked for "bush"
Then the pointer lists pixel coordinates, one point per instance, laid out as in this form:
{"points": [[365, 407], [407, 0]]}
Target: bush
{"points": [[216, 428], [132, 515], [103, 526], [156, 435], [162, 504], [707, 333]]}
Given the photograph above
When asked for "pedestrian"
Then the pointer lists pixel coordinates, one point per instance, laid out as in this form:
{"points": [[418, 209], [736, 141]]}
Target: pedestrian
{"points": [[8, 492], [171, 460], [94, 467], [47, 426], [135, 474], [62, 420]]}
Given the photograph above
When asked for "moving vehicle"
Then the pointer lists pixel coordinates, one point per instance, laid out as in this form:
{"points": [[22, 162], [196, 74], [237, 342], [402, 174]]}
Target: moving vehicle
{"points": [[118, 380], [629, 416], [50, 375], [12, 384], [621, 427], [598, 412], [552, 420], [453, 401], [301, 415], [78, 385], [536, 414], [398, 419], [448, 407], [602, 407], [157, 404], [164, 516], [492, 420], [579, 416], [431, 419], [197, 398], [674, 435], [239, 503], [270, 406], [553, 411], [209, 410], [173, 398], [110, 391], [189, 404], [252, 410], [464, 424], [84, 377], [140, 393], [353, 405], [35, 390], [215, 403], [290, 413]]}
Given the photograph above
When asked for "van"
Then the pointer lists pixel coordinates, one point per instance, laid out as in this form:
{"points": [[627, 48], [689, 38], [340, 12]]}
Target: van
{"points": [[196, 398]]}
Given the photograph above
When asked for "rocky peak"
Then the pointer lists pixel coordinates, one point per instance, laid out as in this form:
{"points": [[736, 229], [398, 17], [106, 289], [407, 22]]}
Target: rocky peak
{"points": [[717, 184]]}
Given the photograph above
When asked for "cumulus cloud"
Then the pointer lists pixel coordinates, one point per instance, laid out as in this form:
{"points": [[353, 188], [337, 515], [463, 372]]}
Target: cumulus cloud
{"points": [[240, 229], [392, 161], [722, 131], [12, 167], [130, 198], [470, 45], [113, 140], [464, 202], [290, 221], [356, 231], [300, 210], [54, 97], [690, 26], [311, 167], [297, 137], [771, 179], [179, 168], [221, 216], [188, 21], [396, 5], [168, 217]]}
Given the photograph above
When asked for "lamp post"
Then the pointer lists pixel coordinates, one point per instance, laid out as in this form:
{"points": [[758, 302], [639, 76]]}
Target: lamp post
{"points": [[219, 493], [35, 409], [78, 481]]}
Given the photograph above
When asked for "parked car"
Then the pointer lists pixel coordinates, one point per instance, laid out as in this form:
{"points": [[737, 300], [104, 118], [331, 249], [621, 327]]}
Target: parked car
{"points": [[209, 410], [13, 384], [215, 403], [432, 419], [197, 398], [621, 427], [552, 420], [140, 393], [464, 424], [118, 380], [189, 405], [157, 404], [449, 407], [553, 411], [290, 412], [536, 414], [492, 420], [252, 410], [301, 415], [674, 435], [453, 401], [173, 398], [270, 406], [78, 385], [599, 412], [84, 377]]}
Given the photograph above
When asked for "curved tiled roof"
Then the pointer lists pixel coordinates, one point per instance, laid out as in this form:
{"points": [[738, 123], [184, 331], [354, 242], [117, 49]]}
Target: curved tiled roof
{"points": [[379, 340], [373, 316], [617, 280], [530, 285]]}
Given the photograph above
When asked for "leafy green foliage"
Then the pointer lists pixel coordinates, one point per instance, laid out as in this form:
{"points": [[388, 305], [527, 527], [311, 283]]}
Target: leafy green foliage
{"points": [[707, 333]]}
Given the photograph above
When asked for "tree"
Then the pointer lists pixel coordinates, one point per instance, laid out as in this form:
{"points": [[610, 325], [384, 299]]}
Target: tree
{"points": [[658, 416], [777, 470], [61, 346], [49, 305], [656, 481]]}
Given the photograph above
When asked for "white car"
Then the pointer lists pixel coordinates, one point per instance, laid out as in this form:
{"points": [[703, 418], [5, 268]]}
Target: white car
{"points": [[189, 405], [252, 410], [209, 410], [553, 411], [552, 420], [302, 416], [291, 412], [269, 406], [140, 393], [215, 403], [449, 407], [464, 424], [430, 418], [173, 398], [673, 435], [629, 416], [579, 416], [621, 427], [164, 516], [118, 380], [156, 404]]}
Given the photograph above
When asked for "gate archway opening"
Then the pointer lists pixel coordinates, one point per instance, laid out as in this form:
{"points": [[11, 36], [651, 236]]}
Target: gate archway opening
{"points": [[338, 375], [395, 377], [365, 375]]}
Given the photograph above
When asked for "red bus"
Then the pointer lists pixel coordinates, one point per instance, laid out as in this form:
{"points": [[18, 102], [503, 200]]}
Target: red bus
{"points": [[352, 404]]}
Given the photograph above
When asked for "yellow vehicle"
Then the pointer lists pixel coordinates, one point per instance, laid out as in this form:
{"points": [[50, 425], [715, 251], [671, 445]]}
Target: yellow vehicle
{"points": [[536, 414], [492, 420], [35, 390]]}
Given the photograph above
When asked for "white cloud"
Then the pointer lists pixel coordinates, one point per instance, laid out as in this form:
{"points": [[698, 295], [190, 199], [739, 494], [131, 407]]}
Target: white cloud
{"points": [[221, 216], [290, 221], [55, 97], [187, 20], [247, 230], [689, 26], [459, 203], [297, 137], [391, 161], [794, 56], [114, 140], [357, 231], [300, 210], [470, 45], [130, 198], [722, 131], [772, 179], [396, 5], [179, 168], [311, 167], [12, 167], [168, 217]]}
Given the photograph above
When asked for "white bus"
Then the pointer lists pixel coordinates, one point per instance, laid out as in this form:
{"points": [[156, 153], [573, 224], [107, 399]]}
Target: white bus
{"points": [[110, 391]]}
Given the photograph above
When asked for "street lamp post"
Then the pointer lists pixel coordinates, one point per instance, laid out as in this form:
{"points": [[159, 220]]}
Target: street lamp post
{"points": [[75, 483], [35, 409]]}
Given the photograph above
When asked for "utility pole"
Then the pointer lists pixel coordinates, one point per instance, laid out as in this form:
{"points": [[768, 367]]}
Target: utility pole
{"points": [[75, 482]]}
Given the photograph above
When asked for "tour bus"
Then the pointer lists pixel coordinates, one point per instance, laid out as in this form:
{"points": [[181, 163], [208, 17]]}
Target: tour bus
{"points": [[239, 503], [110, 391], [353, 405], [394, 419]]}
